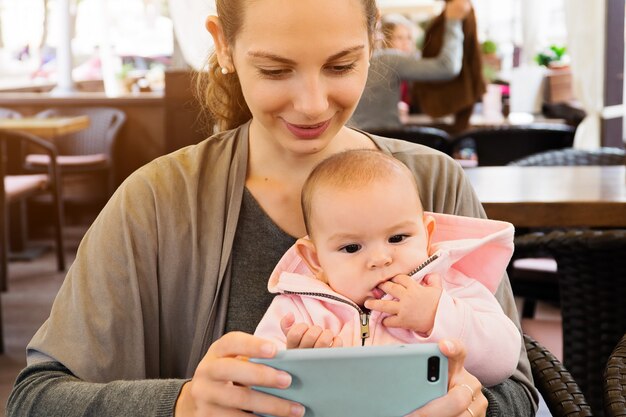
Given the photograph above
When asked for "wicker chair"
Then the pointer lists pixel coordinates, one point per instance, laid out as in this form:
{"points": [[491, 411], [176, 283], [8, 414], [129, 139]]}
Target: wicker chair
{"points": [[9, 114], [571, 156], [554, 382], [534, 279], [496, 146], [615, 382], [424, 135], [90, 150], [592, 283]]}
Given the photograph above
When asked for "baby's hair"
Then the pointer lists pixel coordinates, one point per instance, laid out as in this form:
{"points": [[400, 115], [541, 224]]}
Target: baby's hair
{"points": [[348, 170]]}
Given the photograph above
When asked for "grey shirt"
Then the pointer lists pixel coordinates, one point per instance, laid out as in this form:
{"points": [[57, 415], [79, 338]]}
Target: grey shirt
{"points": [[378, 107]]}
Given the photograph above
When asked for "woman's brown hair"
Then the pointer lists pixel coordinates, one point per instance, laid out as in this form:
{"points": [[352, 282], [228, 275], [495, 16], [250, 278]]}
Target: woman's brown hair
{"points": [[219, 95]]}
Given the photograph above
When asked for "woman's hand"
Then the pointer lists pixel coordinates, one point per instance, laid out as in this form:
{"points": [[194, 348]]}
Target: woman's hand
{"points": [[458, 9], [221, 383], [303, 336], [464, 397]]}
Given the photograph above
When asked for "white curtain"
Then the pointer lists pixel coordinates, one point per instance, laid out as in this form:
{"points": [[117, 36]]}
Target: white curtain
{"points": [[586, 27], [188, 17], [534, 19]]}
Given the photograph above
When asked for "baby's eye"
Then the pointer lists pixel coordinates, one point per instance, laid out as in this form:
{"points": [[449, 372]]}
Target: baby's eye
{"points": [[397, 238], [351, 248]]}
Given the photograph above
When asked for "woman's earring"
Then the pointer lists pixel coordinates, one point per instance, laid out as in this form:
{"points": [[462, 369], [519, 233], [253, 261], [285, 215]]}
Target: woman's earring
{"points": [[224, 70]]}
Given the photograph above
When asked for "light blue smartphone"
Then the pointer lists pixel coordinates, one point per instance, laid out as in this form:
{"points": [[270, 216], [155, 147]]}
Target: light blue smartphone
{"points": [[370, 381]]}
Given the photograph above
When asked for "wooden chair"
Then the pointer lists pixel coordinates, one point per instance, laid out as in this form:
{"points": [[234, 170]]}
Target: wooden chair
{"points": [[592, 283], [87, 151], [430, 136], [615, 381], [17, 186], [555, 383], [497, 146]]}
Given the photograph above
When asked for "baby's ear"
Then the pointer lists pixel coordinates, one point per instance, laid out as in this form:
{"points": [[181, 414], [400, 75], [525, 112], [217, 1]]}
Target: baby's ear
{"points": [[429, 225], [306, 249]]}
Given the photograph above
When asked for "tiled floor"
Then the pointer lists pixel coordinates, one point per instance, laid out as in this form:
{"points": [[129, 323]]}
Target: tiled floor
{"points": [[26, 305], [545, 327]]}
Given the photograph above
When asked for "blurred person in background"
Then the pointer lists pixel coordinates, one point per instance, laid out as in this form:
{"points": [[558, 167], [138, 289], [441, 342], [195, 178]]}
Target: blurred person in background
{"points": [[389, 66]]}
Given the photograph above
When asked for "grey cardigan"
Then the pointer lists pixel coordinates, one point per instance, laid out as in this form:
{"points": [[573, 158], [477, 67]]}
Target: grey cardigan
{"points": [[378, 107], [140, 305]]}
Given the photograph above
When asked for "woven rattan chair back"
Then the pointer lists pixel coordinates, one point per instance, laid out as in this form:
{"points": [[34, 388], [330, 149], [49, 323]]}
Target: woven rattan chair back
{"points": [[99, 137], [573, 157], [555, 383], [592, 284], [423, 135], [497, 146], [9, 114], [615, 382]]}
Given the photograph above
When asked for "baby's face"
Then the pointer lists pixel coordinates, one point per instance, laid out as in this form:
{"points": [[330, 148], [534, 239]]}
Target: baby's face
{"points": [[366, 236]]}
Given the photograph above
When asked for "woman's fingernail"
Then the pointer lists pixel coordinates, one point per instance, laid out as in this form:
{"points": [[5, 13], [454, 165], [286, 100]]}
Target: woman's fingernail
{"points": [[284, 379], [450, 346], [267, 349], [297, 410]]}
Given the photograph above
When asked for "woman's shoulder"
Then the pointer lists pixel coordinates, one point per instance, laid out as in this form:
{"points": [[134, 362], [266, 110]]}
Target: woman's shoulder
{"points": [[214, 155], [403, 149]]}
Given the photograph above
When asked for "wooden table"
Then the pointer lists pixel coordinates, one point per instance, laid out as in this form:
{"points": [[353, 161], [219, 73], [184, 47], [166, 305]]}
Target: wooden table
{"points": [[553, 196], [47, 128]]}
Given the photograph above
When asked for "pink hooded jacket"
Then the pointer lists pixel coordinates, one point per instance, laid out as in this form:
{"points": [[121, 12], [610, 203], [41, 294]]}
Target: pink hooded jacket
{"points": [[461, 247]]}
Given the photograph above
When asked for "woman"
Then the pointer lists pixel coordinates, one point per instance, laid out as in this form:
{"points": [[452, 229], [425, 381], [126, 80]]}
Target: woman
{"points": [[391, 66], [145, 321]]}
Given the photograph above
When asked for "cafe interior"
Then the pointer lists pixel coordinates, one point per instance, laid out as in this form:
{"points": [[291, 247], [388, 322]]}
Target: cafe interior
{"points": [[91, 90]]}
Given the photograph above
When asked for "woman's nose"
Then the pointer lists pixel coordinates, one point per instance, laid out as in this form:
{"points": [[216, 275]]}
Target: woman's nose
{"points": [[311, 98]]}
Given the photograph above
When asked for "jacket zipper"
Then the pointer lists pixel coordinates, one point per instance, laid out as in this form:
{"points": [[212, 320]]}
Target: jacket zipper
{"points": [[364, 318], [423, 265]]}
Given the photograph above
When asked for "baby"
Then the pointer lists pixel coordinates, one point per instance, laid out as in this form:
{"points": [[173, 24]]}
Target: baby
{"points": [[375, 269]]}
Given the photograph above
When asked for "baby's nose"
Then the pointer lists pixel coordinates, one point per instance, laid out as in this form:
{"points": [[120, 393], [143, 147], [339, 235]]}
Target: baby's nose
{"points": [[380, 259]]}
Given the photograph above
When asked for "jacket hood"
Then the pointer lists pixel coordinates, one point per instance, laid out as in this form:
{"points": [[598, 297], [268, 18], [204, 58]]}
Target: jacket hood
{"points": [[479, 248]]}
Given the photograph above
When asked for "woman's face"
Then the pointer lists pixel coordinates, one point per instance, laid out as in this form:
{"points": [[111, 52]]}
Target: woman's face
{"points": [[302, 67]]}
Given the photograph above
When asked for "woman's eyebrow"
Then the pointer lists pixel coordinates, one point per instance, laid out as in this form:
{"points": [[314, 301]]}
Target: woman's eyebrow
{"points": [[283, 60]]}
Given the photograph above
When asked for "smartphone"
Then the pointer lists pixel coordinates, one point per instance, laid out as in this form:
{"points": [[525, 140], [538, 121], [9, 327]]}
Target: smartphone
{"points": [[369, 381]]}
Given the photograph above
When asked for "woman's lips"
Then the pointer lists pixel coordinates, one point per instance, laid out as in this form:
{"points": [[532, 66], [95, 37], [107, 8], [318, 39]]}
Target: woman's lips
{"points": [[308, 131]]}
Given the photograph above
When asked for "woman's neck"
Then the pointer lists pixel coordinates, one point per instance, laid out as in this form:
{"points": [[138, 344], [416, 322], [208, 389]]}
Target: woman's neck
{"points": [[276, 175], [269, 159]]}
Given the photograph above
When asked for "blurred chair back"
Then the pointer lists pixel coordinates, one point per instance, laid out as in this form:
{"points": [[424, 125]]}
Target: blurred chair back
{"points": [[555, 383], [17, 186], [496, 146], [423, 135], [9, 114], [535, 279], [91, 149], [573, 157], [592, 282], [615, 381]]}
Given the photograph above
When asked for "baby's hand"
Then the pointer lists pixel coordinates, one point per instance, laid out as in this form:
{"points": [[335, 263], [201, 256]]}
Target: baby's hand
{"points": [[302, 336], [414, 306]]}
